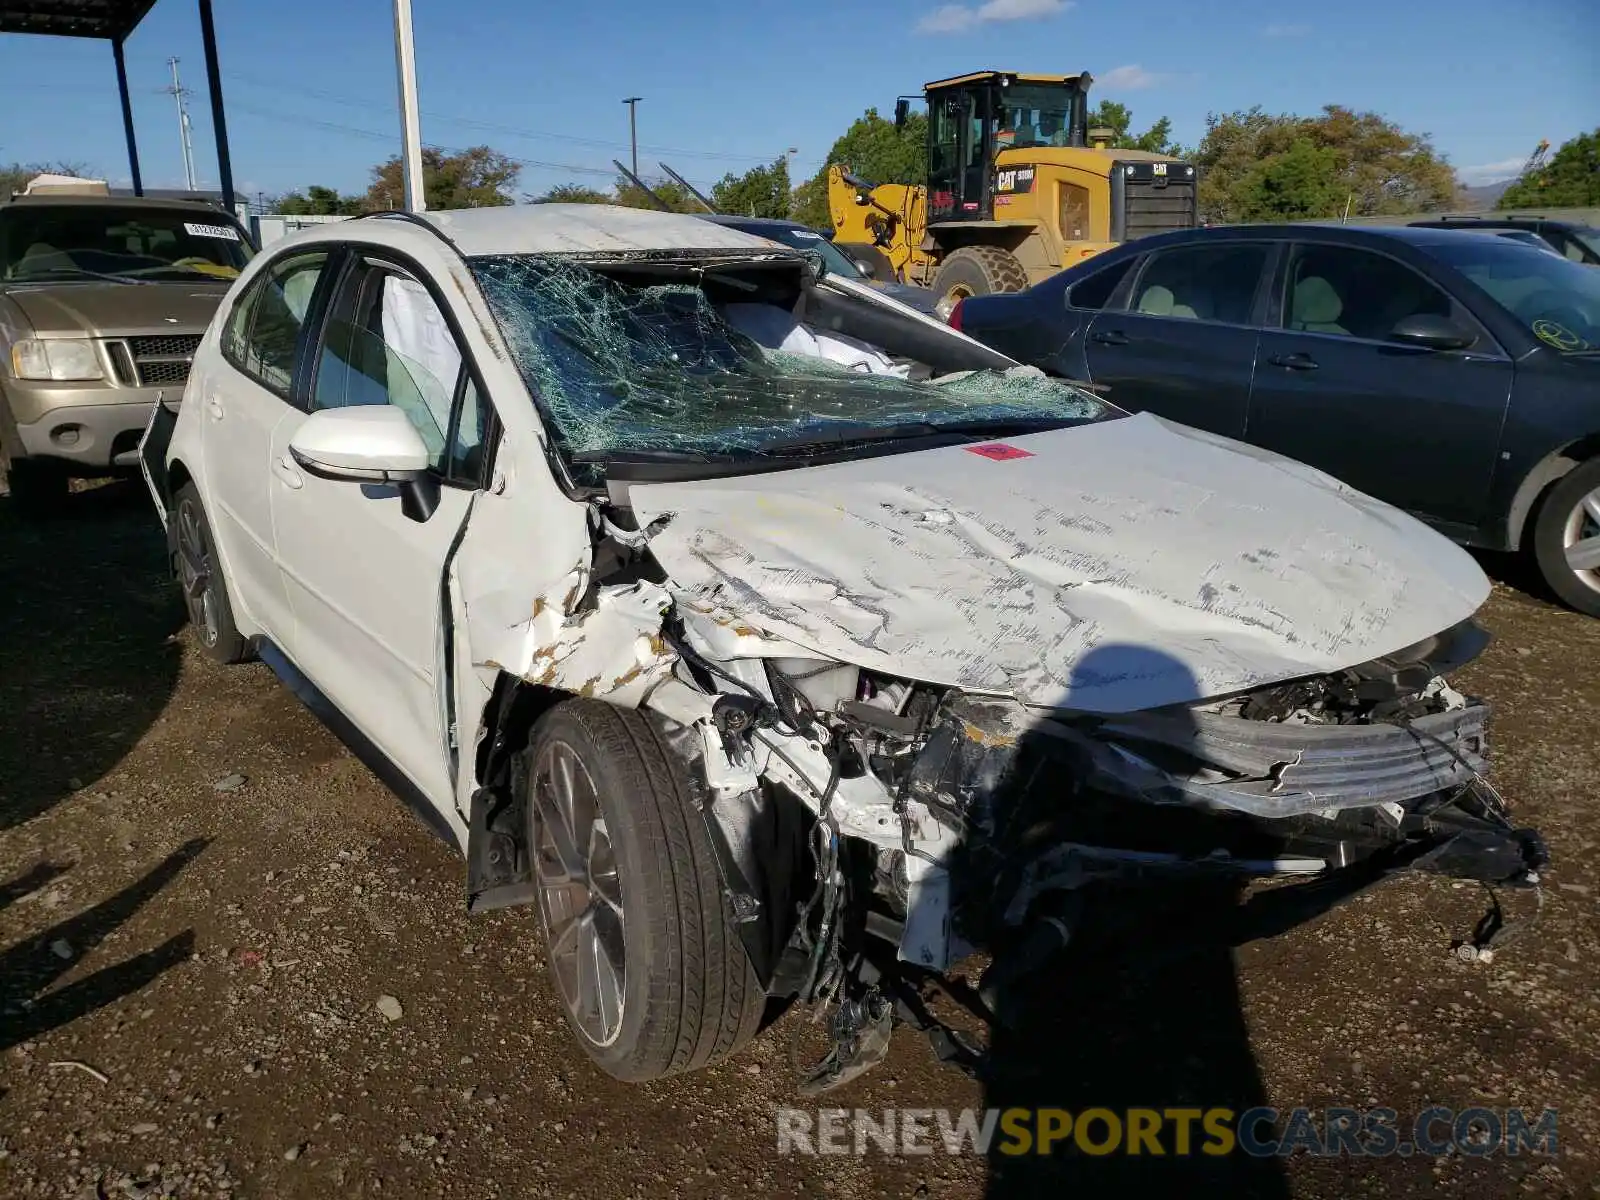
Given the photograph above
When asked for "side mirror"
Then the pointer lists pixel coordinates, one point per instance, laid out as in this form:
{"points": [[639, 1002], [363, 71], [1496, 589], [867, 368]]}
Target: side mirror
{"points": [[1432, 332], [869, 270], [902, 113], [369, 444]]}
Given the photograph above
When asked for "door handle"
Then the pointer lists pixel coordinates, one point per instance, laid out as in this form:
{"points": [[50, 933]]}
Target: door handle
{"points": [[1294, 362], [1109, 337], [286, 470], [214, 407]]}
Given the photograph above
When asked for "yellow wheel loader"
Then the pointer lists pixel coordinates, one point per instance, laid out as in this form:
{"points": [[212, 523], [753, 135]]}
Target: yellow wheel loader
{"points": [[1015, 190]]}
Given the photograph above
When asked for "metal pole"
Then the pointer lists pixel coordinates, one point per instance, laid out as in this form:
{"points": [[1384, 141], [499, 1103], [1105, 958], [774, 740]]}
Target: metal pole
{"points": [[405, 58], [219, 119], [127, 117], [633, 128], [185, 143]]}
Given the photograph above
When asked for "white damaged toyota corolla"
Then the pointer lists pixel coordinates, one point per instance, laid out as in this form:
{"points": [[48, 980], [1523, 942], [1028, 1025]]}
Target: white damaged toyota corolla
{"points": [[777, 641]]}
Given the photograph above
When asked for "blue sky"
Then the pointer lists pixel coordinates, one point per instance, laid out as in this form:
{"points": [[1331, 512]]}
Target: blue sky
{"points": [[729, 83]]}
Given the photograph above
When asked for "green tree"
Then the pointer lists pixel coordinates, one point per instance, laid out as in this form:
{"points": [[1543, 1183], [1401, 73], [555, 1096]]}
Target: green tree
{"points": [[1570, 179], [319, 201], [759, 192], [873, 148], [1259, 166], [1300, 184], [572, 193], [1119, 119], [474, 178]]}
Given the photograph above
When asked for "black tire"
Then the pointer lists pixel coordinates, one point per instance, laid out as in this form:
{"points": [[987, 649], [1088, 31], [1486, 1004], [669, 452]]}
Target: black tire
{"points": [[882, 268], [38, 489], [200, 580], [977, 271], [689, 996], [1560, 519]]}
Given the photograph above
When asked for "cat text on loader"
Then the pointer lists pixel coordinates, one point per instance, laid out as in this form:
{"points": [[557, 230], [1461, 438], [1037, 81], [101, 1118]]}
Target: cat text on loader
{"points": [[1014, 193]]}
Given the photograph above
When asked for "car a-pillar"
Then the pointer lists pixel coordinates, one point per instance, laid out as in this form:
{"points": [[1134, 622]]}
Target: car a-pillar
{"points": [[689, 893]]}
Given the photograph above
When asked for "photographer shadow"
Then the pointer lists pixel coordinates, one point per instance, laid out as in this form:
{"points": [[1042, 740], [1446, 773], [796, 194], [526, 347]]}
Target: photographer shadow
{"points": [[1140, 1010]]}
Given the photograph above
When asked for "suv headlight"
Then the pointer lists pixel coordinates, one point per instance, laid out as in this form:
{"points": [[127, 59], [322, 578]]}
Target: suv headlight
{"points": [[60, 359]]}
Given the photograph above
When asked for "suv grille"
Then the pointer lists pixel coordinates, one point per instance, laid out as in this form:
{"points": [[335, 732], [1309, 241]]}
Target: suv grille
{"points": [[158, 361]]}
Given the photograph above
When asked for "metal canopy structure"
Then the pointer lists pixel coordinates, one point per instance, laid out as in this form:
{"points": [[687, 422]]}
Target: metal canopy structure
{"points": [[113, 21]]}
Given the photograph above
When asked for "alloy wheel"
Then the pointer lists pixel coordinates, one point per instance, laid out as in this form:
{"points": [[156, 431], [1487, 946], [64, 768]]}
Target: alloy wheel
{"points": [[580, 893], [195, 575], [1580, 539]]}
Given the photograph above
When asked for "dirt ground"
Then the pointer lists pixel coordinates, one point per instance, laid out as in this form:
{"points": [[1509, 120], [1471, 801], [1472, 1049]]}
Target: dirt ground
{"points": [[191, 964]]}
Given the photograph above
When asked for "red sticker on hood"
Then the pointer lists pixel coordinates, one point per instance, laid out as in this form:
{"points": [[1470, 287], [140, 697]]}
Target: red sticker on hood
{"points": [[999, 451]]}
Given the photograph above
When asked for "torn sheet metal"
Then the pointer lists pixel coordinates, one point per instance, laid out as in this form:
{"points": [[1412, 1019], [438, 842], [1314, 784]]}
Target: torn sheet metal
{"points": [[1106, 568]]}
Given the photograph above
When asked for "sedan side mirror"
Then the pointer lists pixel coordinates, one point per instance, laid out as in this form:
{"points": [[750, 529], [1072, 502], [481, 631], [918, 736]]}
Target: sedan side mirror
{"points": [[369, 444], [1432, 332], [869, 269]]}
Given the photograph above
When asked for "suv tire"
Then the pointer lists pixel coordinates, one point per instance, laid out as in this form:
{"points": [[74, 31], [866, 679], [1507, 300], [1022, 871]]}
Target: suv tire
{"points": [[199, 574], [38, 489], [1563, 520], [639, 941]]}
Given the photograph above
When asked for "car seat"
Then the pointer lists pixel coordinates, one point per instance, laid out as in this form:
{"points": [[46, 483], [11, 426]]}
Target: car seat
{"points": [[1316, 307], [1159, 301]]}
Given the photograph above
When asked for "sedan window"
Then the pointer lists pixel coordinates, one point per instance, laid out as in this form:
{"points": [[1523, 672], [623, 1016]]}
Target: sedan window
{"points": [[1095, 291], [1356, 293], [1202, 283]]}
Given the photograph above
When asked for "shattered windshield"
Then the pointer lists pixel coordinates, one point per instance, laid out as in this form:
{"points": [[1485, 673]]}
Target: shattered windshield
{"points": [[710, 365]]}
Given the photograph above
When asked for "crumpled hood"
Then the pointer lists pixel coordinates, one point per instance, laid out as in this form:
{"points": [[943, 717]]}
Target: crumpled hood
{"points": [[110, 309], [1105, 568]]}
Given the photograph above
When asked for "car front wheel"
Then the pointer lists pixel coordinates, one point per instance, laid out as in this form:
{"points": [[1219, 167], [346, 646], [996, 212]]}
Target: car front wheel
{"points": [[1566, 538], [199, 572], [640, 944]]}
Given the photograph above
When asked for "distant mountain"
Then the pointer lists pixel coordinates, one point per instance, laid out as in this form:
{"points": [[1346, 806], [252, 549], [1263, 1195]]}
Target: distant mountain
{"points": [[1482, 197]]}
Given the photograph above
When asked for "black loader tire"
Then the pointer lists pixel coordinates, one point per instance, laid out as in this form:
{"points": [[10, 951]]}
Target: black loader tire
{"points": [[978, 271]]}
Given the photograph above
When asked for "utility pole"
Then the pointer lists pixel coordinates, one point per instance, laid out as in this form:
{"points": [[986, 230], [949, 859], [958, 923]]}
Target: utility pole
{"points": [[633, 128], [178, 92], [410, 125]]}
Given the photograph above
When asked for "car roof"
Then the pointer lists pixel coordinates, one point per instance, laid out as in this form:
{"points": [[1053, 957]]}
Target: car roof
{"points": [[582, 229], [1331, 231]]}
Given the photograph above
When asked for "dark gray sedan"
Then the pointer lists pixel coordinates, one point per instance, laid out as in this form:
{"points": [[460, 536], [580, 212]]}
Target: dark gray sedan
{"points": [[1455, 375]]}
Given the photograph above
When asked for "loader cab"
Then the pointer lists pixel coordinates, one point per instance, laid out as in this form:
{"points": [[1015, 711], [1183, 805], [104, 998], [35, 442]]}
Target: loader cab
{"points": [[972, 118]]}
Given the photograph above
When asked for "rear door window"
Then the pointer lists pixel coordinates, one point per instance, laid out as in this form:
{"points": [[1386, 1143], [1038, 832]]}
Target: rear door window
{"points": [[1202, 283], [1095, 292]]}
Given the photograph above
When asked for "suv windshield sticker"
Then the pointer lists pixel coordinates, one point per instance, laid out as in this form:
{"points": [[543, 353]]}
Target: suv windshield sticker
{"points": [[212, 231], [1557, 335]]}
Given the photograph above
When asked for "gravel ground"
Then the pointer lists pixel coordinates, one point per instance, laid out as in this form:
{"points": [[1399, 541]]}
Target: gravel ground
{"points": [[232, 964]]}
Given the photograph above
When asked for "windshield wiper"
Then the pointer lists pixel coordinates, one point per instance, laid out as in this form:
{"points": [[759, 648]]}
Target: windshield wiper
{"points": [[74, 273]]}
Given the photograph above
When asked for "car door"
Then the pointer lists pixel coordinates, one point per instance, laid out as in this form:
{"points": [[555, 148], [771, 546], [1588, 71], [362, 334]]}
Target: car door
{"points": [[366, 582], [1417, 427], [1184, 346], [243, 400]]}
